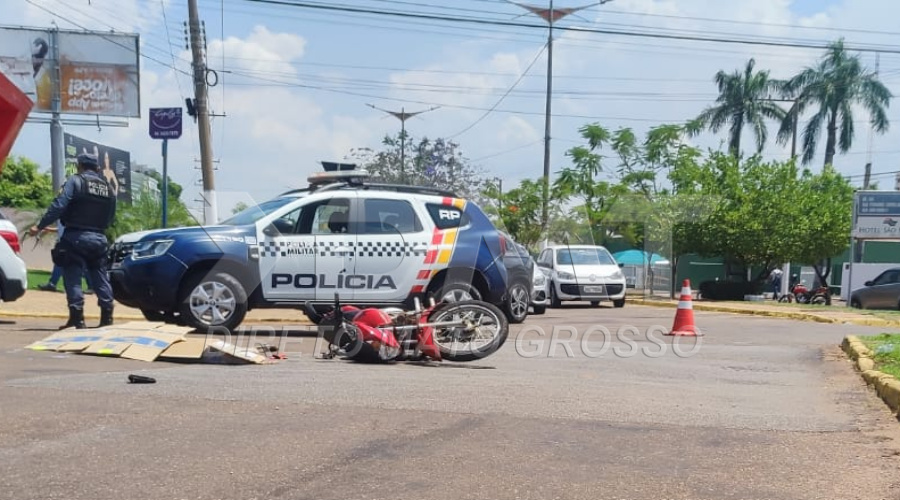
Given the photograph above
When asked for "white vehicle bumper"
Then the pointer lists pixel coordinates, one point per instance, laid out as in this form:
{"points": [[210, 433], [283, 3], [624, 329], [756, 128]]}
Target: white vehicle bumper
{"points": [[587, 291]]}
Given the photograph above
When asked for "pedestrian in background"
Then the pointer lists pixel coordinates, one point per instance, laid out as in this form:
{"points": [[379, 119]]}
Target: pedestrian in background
{"points": [[775, 277], [86, 207]]}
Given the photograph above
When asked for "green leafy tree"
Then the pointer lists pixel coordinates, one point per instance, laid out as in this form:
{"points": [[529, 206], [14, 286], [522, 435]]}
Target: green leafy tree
{"points": [[427, 162], [145, 213], [175, 188], [239, 207], [827, 199], [570, 226], [742, 102], [767, 213], [518, 210], [622, 203], [22, 185], [832, 89]]}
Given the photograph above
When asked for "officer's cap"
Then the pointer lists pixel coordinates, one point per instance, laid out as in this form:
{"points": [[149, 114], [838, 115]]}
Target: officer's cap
{"points": [[88, 161]]}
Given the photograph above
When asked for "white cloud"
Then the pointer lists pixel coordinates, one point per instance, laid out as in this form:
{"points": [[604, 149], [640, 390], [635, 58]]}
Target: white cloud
{"points": [[262, 52]]}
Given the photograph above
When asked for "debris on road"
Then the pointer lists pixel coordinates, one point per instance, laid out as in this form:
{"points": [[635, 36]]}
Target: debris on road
{"points": [[149, 341]]}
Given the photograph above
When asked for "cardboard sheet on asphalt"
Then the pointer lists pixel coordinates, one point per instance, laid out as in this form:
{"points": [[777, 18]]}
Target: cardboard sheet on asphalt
{"points": [[185, 349], [137, 340], [146, 341]]}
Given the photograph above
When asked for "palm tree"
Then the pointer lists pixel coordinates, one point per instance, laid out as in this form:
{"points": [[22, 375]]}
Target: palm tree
{"points": [[743, 100], [833, 87]]}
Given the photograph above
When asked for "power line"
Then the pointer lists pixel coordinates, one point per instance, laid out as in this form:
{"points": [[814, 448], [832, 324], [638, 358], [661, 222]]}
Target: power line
{"points": [[433, 30], [162, 4], [499, 22], [147, 45], [437, 29], [442, 104], [879, 174], [500, 101], [507, 151], [754, 23], [131, 49]]}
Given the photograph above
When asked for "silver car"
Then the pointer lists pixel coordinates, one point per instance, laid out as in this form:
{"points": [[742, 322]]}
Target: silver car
{"points": [[881, 293]]}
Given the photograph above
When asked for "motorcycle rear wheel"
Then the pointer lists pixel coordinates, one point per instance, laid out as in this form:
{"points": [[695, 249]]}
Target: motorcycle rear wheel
{"points": [[487, 333]]}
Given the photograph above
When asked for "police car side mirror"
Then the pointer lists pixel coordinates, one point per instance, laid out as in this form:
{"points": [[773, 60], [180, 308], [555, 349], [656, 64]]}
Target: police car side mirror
{"points": [[621, 265], [271, 230]]}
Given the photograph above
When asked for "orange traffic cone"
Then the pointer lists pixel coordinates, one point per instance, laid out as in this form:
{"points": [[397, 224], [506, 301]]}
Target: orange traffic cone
{"points": [[684, 317]]}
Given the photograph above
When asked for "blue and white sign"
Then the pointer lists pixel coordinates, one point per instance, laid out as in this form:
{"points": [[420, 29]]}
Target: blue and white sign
{"points": [[876, 215]]}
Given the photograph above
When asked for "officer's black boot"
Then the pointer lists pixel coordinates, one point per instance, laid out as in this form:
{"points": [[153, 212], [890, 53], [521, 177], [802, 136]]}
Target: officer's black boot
{"points": [[106, 317], [76, 319]]}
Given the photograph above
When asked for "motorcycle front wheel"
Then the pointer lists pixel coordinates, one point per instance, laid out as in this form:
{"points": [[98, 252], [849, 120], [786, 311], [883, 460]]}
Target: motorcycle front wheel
{"points": [[476, 329]]}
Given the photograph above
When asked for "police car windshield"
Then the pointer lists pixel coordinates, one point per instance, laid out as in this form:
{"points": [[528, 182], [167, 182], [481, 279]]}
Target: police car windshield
{"points": [[256, 212]]}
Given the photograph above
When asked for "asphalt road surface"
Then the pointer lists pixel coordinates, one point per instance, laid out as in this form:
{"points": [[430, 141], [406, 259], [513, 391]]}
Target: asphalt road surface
{"points": [[760, 409]]}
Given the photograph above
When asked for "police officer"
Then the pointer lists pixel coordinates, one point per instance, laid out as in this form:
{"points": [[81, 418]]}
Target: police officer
{"points": [[87, 207]]}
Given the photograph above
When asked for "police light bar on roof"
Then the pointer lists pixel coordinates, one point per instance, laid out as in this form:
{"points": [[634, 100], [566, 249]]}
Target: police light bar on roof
{"points": [[331, 166], [337, 172]]}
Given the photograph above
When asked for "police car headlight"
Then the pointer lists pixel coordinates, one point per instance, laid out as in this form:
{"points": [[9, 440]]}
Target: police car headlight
{"points": [[617, 275], [147, 249], [540, 280], [565, 276]]}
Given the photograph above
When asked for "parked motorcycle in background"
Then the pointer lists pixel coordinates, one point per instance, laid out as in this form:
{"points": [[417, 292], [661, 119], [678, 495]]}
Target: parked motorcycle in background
{"points": [[801, 294]]}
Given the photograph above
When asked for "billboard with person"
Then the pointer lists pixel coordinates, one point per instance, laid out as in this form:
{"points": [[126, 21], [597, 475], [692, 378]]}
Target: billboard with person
{"points": [[98, 71], [115, 164]]}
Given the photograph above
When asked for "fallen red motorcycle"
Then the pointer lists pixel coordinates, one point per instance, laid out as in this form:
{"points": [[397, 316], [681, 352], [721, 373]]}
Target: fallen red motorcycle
{"points": [[454, 331]]}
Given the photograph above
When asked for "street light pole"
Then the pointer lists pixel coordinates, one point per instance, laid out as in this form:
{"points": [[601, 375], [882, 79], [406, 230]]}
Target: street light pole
{"points": [[545, 185], [550, 15], [402, 115]]}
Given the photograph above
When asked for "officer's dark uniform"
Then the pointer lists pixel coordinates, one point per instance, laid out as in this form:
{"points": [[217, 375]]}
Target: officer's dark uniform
{"points": [[87, 207]]}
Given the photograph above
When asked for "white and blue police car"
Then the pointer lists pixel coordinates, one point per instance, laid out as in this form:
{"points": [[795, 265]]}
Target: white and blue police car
{"points": [[372, 244]]}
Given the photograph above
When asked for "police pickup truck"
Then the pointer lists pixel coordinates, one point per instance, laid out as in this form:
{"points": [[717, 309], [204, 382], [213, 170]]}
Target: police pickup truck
{"points": [[373, 244]]}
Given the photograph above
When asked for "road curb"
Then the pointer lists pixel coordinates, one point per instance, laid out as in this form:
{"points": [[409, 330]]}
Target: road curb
{"points": [[886, 386], [748, 312], [773, 314], [12, 314], [134, 317]]}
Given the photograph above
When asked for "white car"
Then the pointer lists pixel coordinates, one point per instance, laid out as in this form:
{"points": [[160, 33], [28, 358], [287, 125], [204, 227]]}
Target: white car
{"points": [[540, 291], [13, 273], [583, 273]]}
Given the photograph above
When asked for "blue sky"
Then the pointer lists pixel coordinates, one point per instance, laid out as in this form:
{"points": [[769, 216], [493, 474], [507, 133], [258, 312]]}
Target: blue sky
{"points": [[274, 135]]}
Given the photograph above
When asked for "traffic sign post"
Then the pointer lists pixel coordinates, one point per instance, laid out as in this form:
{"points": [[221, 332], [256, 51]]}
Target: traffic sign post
{"points": [[876, 216], [165, 124]]}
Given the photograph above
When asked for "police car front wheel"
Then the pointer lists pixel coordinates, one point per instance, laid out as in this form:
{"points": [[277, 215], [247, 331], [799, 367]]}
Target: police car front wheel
{"points": [[213, 301], [457, 291]]}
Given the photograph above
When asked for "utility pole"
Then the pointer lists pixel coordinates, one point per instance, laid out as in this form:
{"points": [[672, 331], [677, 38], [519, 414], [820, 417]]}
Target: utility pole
{"points": [[550, 15], [402, 115], [57, 148], [868, 176], [210, 214]]}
